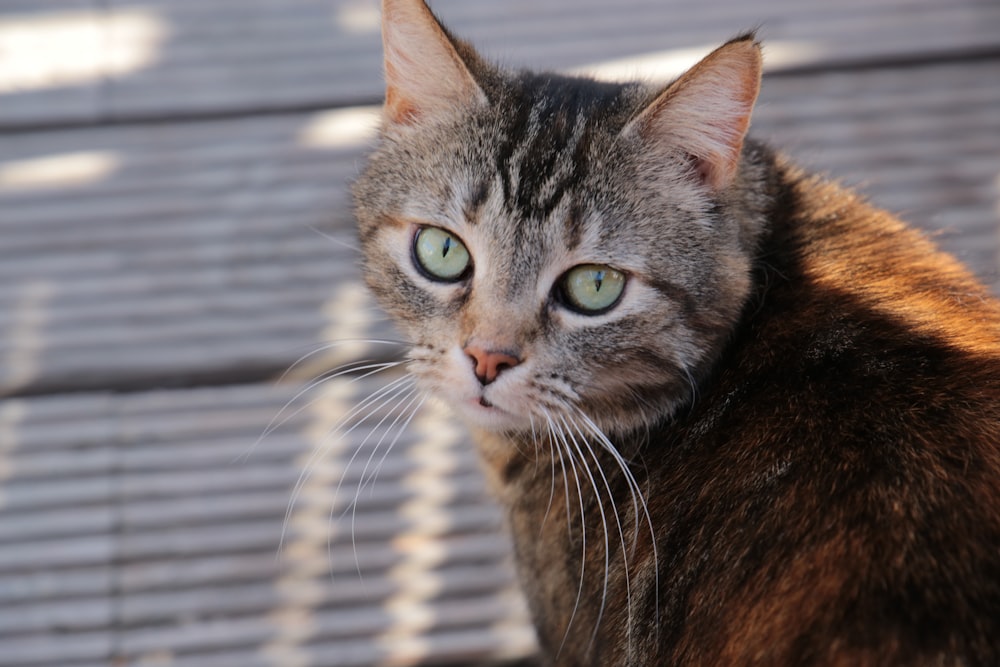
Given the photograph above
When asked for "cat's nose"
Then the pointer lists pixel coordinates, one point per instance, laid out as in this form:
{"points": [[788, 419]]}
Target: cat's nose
{"points": [[489, 363]]}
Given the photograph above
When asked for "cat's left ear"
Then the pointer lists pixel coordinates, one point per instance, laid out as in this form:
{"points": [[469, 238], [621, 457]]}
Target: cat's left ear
{"points": [[424, 72], [706, 112]]}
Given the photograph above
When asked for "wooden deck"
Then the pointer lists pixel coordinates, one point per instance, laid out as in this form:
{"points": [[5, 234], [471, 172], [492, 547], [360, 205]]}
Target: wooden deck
{"points": [[175, 234]]}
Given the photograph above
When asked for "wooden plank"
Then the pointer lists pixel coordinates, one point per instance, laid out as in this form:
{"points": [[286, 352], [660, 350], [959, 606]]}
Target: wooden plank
{"points": [[143, 608], [41, 80], [79, 616], [68, 650], [322, 51], [145, 528], [322, 625], [49, 584], [170, 58], [178, 554], [151, 275]]}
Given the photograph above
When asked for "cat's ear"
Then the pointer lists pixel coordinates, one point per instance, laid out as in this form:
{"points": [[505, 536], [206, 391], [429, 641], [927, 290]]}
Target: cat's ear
{"points": [[424, 71], [706, 112]]}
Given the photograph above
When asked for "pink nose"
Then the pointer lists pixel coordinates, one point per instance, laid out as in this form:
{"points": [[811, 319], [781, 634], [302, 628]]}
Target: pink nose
{"points": [[489, 363]]}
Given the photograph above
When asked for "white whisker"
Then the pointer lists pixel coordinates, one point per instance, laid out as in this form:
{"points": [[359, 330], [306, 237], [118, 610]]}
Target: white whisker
{"points": [[319, 452], [638, 500], [412, 396], [326, 347], [375, 402], [279, 420], [334, 239], [618, 523], [604, 519], [565, 448], [552, 466]]}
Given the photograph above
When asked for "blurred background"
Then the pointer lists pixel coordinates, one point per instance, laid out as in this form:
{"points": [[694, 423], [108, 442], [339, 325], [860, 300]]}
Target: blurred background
{"points": [[177, 266]]}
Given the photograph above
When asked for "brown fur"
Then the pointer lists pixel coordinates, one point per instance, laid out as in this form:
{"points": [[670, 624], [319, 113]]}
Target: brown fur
{"points": [[834, 496], [780, 447]]}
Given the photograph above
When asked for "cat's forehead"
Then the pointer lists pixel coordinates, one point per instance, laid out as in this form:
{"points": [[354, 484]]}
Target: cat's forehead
{"points": [[544, 132], [531, 149], [537, 177], [520, 249], [512, 241]]}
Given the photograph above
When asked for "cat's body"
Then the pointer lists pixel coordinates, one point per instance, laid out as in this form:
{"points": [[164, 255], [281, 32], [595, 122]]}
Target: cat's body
{"points": [[735, 415], [831, 497]]}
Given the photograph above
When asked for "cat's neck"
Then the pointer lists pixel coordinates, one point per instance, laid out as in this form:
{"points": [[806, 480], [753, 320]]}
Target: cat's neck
{"points": [[551, 492]]}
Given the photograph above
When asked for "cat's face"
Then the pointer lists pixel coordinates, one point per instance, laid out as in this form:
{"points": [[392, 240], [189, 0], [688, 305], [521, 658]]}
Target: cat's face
{"points": [[546, 257]]}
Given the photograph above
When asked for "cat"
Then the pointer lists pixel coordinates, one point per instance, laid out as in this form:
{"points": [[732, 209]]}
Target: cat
{"points": [[734, 414]]}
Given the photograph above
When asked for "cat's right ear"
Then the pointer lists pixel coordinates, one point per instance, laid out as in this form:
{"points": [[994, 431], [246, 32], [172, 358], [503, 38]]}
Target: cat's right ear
{"points": [[424, 72], [705, 114]]}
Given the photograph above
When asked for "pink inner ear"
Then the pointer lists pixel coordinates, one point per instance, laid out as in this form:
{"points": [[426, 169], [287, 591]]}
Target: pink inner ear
{"points": [[706, 113], [423, 70], [704, 171], [398, 107]]}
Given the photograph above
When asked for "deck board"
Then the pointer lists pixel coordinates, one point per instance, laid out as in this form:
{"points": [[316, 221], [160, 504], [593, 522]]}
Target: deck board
{"points": [[224, 249], [180, 547], [184, 57], [175, 235]]}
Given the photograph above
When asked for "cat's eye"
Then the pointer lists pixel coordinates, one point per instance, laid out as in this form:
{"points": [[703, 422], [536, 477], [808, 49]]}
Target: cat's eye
{"points": [[592, 288], [440, 255]]}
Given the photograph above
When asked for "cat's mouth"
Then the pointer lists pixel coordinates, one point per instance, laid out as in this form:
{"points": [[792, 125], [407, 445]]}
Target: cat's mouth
{"points": [[482, 402], [485, 414]]}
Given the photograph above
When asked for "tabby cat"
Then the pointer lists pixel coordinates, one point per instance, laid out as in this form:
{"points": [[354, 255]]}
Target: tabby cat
{"points": [[734, 414]]}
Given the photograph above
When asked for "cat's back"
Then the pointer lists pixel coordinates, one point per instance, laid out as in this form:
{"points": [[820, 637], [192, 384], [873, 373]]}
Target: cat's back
{"points": [[853, 429]]}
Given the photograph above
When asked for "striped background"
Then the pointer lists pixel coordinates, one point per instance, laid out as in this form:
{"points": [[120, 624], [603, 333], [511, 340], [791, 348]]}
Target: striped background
{"points": [[175, 234]]}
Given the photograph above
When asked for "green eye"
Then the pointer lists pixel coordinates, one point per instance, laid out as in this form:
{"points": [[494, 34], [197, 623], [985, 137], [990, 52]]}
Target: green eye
{"points": [[440, 255], [592, 288]]}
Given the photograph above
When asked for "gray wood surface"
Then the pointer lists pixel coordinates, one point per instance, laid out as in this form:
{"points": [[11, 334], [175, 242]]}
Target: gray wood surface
{"points": [[169, 57], [175, 234]]}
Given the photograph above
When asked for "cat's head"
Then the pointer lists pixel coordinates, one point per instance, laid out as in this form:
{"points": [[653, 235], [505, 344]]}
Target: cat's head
{"points": [[555, 246]]}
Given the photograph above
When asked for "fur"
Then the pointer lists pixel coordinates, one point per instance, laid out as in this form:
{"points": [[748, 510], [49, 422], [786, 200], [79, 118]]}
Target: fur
{"points": [[780, 447]]}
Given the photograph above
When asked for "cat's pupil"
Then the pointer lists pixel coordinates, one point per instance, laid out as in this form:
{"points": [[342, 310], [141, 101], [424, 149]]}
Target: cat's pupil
{"points": [[439, 255], [582, 288]]}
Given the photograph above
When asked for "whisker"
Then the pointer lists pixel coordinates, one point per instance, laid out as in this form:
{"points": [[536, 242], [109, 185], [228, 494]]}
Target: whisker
{"points": [[557, 451], [604, 520], [375, 396], [388, 394], [565, 448], [552, 466], [400, 431], [334, 239], [278, 421], [694, 387], [326, 347], [319, 452], [621, 533], [620, 461], [638, 499], [414, 396]]}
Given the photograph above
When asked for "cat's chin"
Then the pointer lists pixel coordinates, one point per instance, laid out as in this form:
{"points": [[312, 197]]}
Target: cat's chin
{"points": [[481, 414]]}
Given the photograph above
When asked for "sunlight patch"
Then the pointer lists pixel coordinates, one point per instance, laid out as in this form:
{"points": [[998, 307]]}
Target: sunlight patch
{"points": [[666, 65], [72, 48], [62, 170], [342, 128], [359, 17]]}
